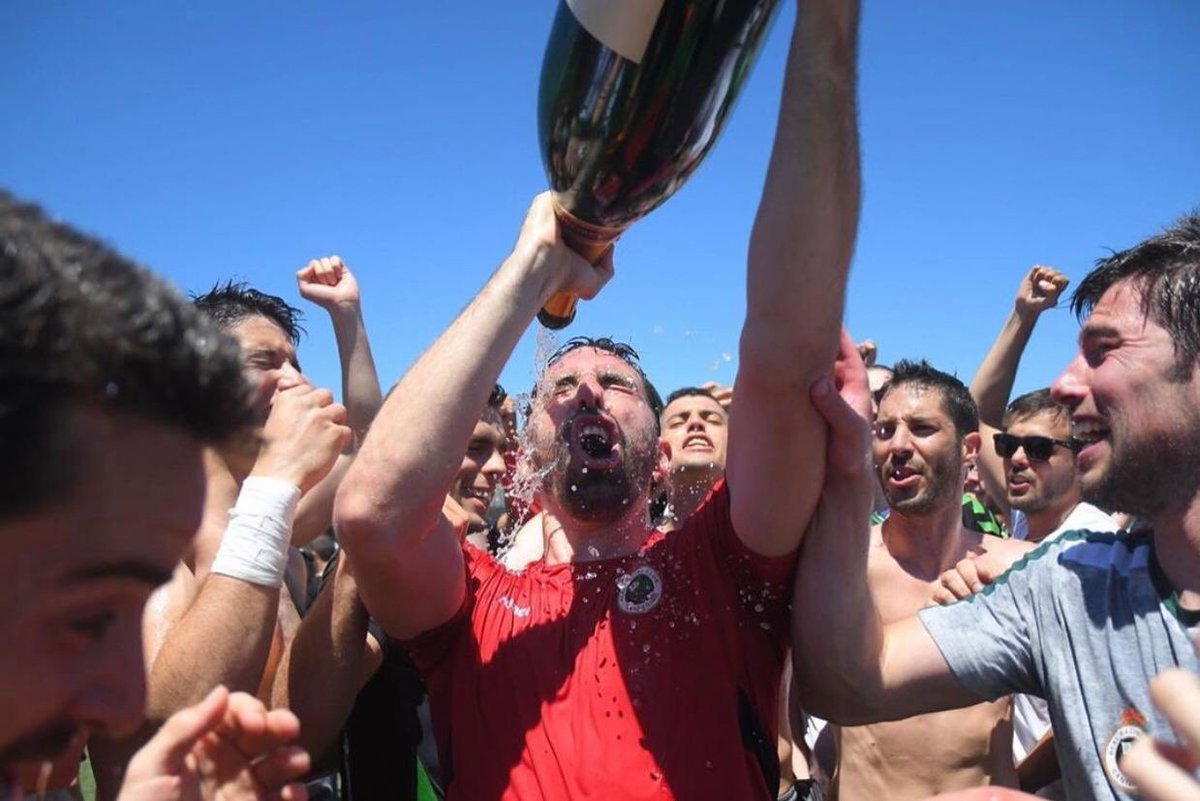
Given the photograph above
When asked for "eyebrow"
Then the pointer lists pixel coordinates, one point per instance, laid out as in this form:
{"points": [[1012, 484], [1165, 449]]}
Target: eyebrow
{"points": [[132, 569], [1096, 330]]}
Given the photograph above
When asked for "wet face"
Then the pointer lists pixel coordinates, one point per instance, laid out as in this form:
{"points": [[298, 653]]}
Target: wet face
{"points": [[917, 451], [269, 359], [79, 573], [593, 433], [697, 429], [1033, 485], [481, 469], [1139, 420]]}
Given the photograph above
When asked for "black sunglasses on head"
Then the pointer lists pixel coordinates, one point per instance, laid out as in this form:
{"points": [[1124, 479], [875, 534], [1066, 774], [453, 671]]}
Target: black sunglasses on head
{"points": [[1038, 449]]}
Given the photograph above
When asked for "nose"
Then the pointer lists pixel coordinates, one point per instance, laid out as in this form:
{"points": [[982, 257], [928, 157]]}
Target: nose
{"points": [[900, 445], [494, 467], [289, 376], [113, 700], [1019, 459], [695, 424], [588, 391], [1071, 387]]}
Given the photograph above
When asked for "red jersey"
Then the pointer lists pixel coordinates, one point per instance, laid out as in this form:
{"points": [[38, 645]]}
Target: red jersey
{"points": [[612, 679]]}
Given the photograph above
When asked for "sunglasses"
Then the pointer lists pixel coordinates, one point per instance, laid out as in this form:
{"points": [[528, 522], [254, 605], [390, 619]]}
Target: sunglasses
{"points": [[1038, 449]]}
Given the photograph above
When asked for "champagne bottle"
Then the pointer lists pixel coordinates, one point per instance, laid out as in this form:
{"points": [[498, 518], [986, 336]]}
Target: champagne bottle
{"points": [[633, 95]]}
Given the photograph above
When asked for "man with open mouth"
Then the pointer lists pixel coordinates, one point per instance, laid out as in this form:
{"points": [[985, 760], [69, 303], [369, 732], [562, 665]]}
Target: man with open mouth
{"points": [[624, 662], [1085, 621]]}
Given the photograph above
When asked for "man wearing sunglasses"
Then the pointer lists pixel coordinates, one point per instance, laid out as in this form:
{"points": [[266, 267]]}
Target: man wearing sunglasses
{"points": [[1085, 621], [1027, 455]]}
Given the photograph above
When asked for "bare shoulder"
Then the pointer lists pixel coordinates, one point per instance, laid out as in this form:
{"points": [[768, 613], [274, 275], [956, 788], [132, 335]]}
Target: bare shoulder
{"points": [[999, 554]]}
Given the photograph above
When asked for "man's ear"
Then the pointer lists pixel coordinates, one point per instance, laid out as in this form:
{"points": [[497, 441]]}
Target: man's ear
{"points": [[970, 445], [662, 463]]}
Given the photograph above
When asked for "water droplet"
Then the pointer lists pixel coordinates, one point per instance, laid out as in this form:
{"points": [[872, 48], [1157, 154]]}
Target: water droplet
{"points": [[574, 488], [646, 648]]}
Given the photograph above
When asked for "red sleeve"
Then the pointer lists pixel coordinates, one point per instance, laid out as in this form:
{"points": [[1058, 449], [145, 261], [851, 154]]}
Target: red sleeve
{"points": [[431, 648]]}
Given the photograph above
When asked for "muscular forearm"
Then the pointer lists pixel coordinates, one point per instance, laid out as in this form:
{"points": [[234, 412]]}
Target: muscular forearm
{"points": [[326, 664], [806, 222], [223, 638], [394, 491], [994, 380], [837, 653], [798, 261]]}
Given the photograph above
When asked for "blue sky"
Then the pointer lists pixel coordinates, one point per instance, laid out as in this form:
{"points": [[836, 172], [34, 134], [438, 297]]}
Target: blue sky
{"points": [[229, 139]]}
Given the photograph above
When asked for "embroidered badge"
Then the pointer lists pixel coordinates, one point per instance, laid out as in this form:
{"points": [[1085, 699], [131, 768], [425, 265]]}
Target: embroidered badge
{"points": [[1132, 727], [639, 591]]}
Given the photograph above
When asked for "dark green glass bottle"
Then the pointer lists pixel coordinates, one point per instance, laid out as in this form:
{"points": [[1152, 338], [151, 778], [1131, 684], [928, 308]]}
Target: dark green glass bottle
{"points": [[633, 95]]}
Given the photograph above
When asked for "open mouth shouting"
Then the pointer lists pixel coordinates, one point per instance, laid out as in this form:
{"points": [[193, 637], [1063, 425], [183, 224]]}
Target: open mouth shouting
{"points": [[901, 477], [699, 443], [593, 441]]}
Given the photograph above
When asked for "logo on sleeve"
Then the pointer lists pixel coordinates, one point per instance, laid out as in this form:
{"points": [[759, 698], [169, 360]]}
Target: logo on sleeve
{"points": [[639, 591], [1132, 727]]}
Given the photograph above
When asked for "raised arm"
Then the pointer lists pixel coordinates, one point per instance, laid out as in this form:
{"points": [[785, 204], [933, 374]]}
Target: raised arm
{"points": [[327, 663], [799, 257], [329, 283], [1039, 290], [225, 635], [855, 670], [402, 545]]}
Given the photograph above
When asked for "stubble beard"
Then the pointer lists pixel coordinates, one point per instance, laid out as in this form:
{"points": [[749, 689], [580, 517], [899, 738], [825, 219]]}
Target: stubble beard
{"points": [[600, 496], [944, 484], [1146, 476]]}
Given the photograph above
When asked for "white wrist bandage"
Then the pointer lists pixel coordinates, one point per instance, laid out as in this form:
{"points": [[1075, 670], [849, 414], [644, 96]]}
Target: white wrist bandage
{"points": [[255, 544]]}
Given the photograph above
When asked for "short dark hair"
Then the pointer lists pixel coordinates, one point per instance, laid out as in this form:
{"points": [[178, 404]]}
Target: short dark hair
{"points": [[956, 398], [688, 392], [80, 324], [1166, 268], [622, 351], [1040, 401], [229, 303], [497, 398]]}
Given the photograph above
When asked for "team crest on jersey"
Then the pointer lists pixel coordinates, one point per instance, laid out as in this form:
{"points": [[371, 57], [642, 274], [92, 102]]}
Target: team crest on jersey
{"points": [[1132, 726], [639, 591]]}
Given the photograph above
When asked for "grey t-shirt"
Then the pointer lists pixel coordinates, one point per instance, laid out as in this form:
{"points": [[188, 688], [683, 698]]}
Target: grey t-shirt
{"points": [[1085, 621]]}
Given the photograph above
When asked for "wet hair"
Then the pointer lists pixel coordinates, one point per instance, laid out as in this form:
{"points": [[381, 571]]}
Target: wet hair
{"points": [[497, 398], [1040, 401], [1166, 269], [80, 325], [232, 302], [956, 398], [622, 351]]}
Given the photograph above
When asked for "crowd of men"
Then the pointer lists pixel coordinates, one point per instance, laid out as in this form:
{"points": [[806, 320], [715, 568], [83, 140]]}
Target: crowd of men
{"points": [[834, 579]]}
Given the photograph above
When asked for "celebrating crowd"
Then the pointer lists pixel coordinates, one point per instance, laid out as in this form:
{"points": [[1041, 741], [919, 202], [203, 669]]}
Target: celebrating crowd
{"points": [[833, 579]]}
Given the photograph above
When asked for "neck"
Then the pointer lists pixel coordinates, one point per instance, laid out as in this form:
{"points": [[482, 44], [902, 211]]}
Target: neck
{"points": [[689, 488], [568, 540], [1177, 548], [928, 544], [1044, 522]]}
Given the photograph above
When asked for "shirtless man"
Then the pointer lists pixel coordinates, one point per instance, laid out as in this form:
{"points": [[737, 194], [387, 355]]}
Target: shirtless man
{"points": [[1086, 621], [925, 431], [111, 385], [219, 620]]}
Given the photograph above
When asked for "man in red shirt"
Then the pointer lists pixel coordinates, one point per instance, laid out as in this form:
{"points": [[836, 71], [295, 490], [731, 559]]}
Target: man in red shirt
{"points": [[622, 664]]}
